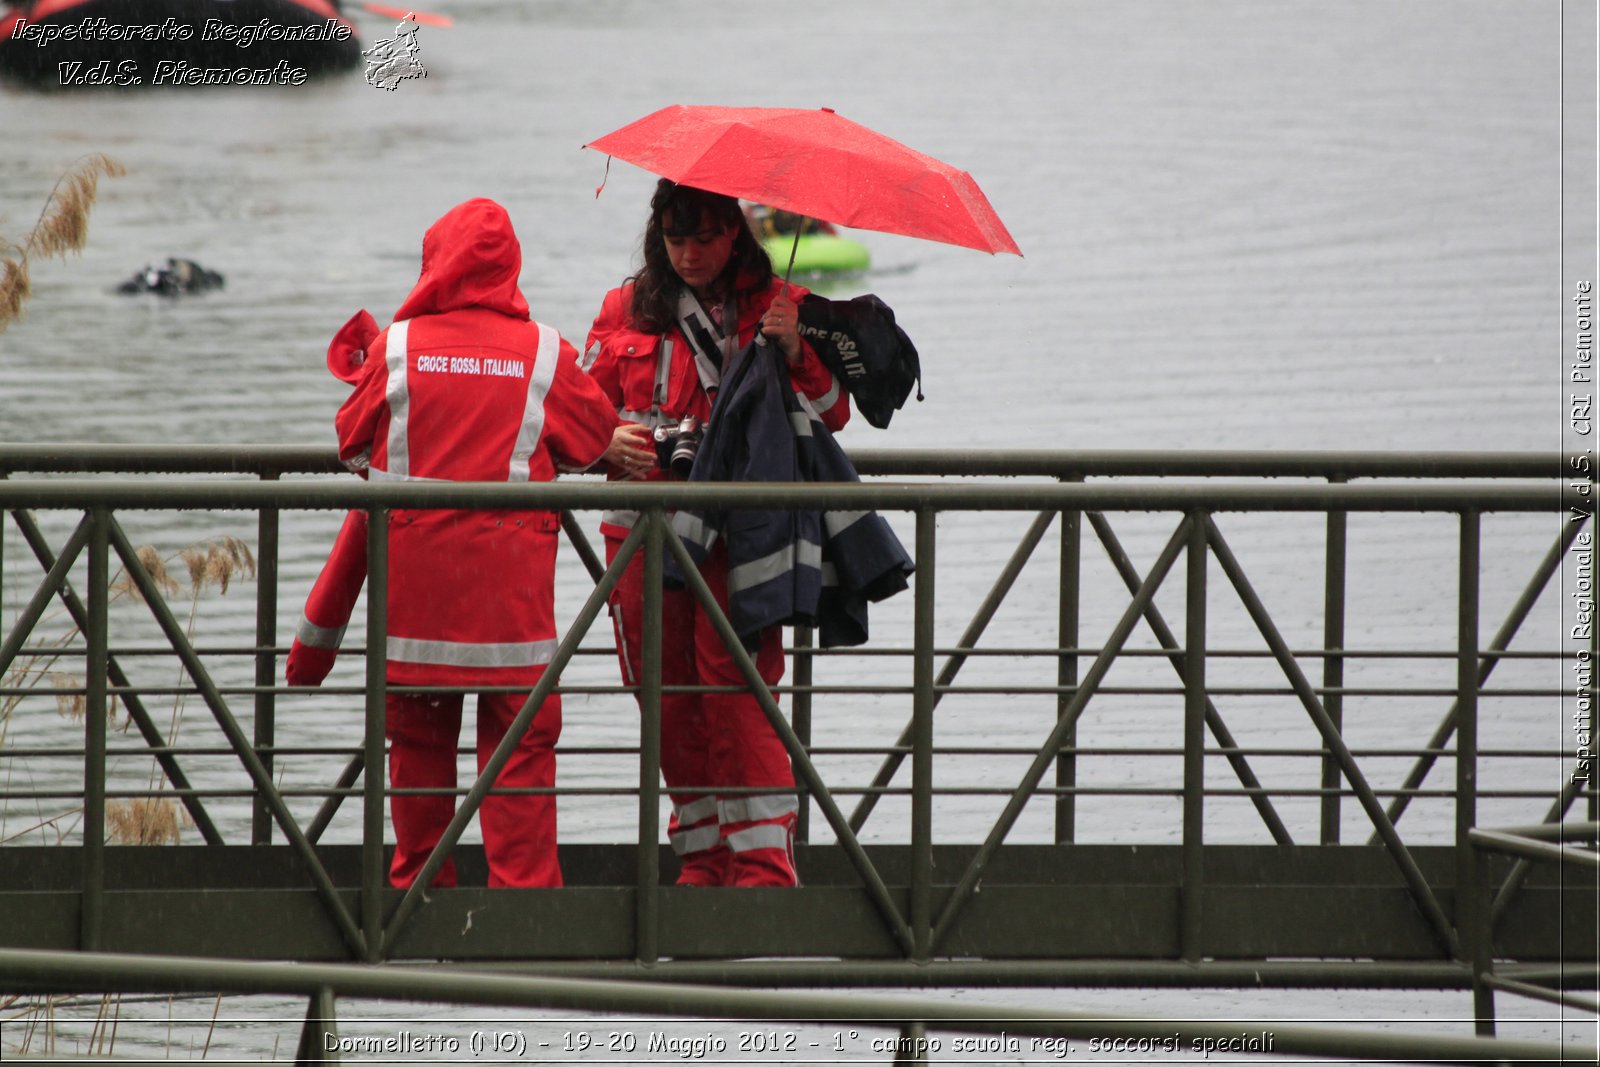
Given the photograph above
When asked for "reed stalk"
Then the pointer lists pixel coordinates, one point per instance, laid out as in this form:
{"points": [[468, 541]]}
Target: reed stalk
{"points": [[62, 227], [213, 564]]}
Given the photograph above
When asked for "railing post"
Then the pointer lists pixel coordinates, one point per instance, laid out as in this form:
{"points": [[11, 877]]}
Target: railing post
{"points": [[3, 514], [804, 675], [1069, 601], [320, 1030], [647, 907], [1194, 741], [91, 920], [912, 1048], [374, 878], [1473, 928], [266, 659], [921, 911], [1333, 637]]}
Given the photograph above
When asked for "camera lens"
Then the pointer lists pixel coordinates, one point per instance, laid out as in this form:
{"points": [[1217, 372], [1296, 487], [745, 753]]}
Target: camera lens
{"points": [[683, 454]]}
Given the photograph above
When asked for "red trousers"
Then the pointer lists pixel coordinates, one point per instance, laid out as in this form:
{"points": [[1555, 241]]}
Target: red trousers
{"points": [[713, 742], [519, 832]]}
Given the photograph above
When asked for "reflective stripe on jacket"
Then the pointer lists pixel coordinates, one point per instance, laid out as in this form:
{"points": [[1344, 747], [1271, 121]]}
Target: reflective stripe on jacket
{"points": [[464, 387]]}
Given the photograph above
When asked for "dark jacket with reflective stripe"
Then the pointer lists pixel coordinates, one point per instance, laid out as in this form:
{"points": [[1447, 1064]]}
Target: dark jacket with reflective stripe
{"points": [[787, 567]]}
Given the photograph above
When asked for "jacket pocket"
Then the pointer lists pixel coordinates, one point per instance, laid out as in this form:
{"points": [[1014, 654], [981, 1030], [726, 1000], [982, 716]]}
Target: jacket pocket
{"points": [[636, 355]]}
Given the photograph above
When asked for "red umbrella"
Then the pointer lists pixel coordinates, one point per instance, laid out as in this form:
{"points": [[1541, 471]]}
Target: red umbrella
{"points": [[813, 163]]}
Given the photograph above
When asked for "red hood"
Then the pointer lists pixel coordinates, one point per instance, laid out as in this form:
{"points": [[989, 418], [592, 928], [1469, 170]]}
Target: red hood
{"points": [[470, 258]]}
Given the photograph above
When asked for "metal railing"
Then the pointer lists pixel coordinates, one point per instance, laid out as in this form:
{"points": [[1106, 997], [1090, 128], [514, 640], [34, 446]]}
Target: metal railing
{"points": [[920, 910]]}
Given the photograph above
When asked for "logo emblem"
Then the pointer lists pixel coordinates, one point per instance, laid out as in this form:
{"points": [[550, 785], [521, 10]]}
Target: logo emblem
{"points": [[393, 60]]}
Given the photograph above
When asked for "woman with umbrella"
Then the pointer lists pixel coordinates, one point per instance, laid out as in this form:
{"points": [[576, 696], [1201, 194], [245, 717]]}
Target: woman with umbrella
{"points": [[657, 349]]}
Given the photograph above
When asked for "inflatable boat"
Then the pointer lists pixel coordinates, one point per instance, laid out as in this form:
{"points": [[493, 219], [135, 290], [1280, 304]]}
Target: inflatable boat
{"points": [[817, 253], [821, 248], [68, 44]]}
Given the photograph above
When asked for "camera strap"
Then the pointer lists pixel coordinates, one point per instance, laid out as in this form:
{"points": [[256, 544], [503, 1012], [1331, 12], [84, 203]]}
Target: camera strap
{"points": [[658, 397], [706, 339]]}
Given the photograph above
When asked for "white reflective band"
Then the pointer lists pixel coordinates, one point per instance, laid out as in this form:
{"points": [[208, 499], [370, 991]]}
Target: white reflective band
{"points": [[648, 419], [695, 811], [781, 562], [591, 354], [836, 522], [772, 835], [757, 808], [309, 633], [465, 654], [544, 372], [625, 519], [801, 422], [693, 529], [377, 475], [700, 839], [359, 462], [399, 398], [828, 399]]}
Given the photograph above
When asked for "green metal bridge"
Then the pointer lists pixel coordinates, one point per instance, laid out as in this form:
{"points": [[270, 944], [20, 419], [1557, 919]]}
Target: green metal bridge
{"points": [[1239, 871]]}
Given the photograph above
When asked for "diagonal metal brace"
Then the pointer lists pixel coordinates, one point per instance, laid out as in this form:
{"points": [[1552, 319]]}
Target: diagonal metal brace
{"points": [[802, 759], [55, 580], [952, 666], [1421, 892], [1520, 870], [236, 737], [519, 726], [1168, 641], [1502, 640], [136, 710], [1042, 762]]}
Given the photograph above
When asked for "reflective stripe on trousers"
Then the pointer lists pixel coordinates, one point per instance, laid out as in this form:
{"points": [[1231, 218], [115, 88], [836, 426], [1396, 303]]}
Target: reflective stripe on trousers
{"points": [[766, 835], [757, 808]]}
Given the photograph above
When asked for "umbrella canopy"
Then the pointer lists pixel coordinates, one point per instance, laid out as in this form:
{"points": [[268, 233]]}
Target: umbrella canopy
{"points": [[816, 163]]}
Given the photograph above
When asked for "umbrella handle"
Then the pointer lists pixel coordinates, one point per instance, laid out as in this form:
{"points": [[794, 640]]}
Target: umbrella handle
{"points": [[761, 338], [793, 248]]}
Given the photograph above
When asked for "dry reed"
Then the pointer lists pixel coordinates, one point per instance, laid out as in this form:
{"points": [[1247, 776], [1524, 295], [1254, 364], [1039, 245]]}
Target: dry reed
{"points": [[143, 821], [71, 702], [63, 227], [154, 566], [218, 563]]}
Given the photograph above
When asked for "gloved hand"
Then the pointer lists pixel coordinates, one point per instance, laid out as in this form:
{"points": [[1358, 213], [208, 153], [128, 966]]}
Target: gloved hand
{"points": [[307, 665]]}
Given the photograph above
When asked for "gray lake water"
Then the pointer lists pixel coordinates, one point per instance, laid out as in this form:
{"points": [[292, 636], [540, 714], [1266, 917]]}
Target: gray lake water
{"points": [[1245, 225]]}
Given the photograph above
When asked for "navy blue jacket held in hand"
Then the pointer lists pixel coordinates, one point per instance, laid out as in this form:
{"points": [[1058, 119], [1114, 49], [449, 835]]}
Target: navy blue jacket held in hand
{"points": [[786, 567]]}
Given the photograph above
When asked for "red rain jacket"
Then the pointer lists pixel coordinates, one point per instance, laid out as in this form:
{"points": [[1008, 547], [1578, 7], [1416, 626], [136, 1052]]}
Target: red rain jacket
{"points": [[623, 359], [461, 387]]}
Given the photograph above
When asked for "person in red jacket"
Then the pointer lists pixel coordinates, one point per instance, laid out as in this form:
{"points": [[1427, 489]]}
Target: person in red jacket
{"points": [[462, 386], [656, 349]]}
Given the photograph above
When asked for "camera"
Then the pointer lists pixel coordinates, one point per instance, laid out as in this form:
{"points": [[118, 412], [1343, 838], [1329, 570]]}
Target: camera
{"points": [[676, 446]]}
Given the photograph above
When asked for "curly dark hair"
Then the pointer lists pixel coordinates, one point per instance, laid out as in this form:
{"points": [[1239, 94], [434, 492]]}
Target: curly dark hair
{"points": [[654, 307]]}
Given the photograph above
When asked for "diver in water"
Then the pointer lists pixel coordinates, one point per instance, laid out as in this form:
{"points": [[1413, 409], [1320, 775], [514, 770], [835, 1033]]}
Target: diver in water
{"points": [[179, 276]]}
